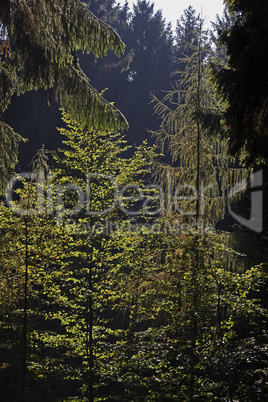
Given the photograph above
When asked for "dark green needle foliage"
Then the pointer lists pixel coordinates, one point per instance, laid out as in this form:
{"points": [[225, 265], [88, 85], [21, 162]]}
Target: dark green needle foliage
{"points": [[241, 84]]}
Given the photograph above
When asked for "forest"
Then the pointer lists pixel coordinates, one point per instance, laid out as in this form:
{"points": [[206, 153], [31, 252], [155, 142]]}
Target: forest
{"points": [[133, 203]]}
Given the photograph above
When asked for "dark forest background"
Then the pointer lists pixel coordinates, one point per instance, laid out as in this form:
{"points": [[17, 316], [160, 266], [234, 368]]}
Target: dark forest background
{"points": [[150, 57]]}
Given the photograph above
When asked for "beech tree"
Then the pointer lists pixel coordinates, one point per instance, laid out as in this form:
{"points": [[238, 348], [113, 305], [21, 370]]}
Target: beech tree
{"points": [[61, 270]]}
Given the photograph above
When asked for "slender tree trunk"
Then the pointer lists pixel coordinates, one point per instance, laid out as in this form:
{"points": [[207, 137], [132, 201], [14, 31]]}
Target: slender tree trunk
{"points": [[198, 131], [196, 244], [90, 337], [24, 352], [91, 362]]}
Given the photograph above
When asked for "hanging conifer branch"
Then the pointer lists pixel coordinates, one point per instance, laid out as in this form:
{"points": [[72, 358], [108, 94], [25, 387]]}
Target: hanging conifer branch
{"points": [[38, 44], [9, 144]]}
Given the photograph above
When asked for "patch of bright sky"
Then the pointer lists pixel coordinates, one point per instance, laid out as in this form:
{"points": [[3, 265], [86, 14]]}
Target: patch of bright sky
{"points": [[173, 9]]}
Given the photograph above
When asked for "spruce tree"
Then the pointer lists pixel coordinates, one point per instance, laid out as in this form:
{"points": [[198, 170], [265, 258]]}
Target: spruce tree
{"points": [[241, 84], [198, 163], [38, 43]]}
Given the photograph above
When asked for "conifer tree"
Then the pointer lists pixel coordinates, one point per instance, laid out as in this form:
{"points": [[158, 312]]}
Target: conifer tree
{"points": [[199, 163], [241, 84], [38, 44]]}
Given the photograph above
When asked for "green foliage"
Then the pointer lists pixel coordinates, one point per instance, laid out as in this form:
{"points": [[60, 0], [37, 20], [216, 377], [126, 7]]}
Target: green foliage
{"points": [[169, 321]]}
